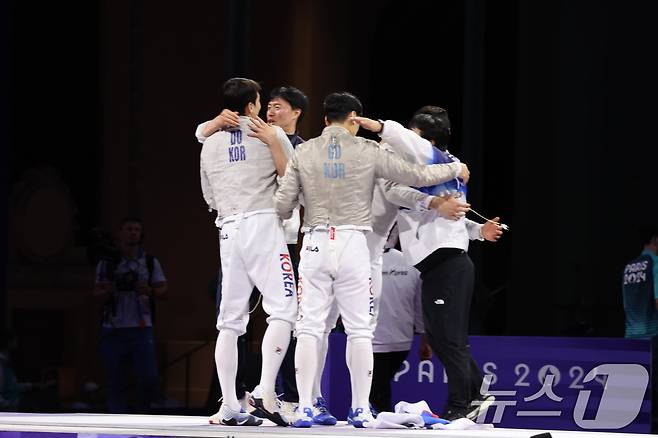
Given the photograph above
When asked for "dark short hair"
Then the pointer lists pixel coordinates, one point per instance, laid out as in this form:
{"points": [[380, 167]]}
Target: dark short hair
{"points": [[338, 106], [434, 124], [238, 92], [432, 110], [294, 96], [134, 220]]}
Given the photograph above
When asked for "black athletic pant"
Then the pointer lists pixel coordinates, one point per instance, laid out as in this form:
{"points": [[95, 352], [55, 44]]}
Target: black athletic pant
{"points": [[385, 367], [447, 290]]}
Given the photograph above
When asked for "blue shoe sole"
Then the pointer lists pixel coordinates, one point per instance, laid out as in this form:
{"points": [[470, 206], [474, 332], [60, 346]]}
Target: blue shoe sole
{"points": [[302, 423], [326, 421]]}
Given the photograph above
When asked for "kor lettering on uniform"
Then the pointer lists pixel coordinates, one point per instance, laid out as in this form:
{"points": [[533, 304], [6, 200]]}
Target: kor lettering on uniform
{"points": [[236, 153], [287, 273], [332, 169]]}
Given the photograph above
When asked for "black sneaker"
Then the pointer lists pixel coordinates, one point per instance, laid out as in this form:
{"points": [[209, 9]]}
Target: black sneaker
{"points": [[267, 405], [479, 405], [257, 413], [230, 417], [454, 414]]}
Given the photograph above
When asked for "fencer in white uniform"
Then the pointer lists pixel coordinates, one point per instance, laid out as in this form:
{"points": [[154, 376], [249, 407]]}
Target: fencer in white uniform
{"points": [[336, 173], [384, 214], [238, 179]]}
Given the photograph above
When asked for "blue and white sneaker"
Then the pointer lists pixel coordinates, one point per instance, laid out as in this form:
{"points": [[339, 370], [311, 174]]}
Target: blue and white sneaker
{"points": [[359, 417], [321, 414], [288, 410], [304, 418], [231, 417]]}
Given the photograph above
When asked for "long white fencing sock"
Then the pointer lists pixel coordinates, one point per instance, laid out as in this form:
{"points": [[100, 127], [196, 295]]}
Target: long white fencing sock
{"points": [[348, 361], [306, 365], [226, 360], [323, 348], [361, 371], [273, 348]]}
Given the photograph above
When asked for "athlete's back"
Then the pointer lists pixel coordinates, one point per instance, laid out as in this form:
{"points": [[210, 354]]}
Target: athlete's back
{"points": [[238, 172]]}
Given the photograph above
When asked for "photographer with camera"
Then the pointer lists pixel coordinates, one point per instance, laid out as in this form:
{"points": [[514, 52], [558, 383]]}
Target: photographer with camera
{"points": [[129, 281]]}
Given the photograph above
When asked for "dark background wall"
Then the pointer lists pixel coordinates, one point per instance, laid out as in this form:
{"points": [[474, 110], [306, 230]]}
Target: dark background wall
{"points": [[552, 103]]}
